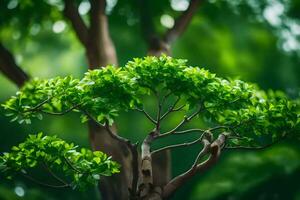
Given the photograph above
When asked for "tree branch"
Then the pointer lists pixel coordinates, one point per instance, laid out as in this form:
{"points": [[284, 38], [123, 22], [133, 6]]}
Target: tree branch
{"points": [[147, 25], [101, 50], [189, 131], [146, 165], [10, 69], [178, 145], [147, 115], [53, 174], [181, 22], [214, 149], [72, 166], [116, 136], [63, 112], [172, 109], [71, 13], [256, 147], [44, 184], [185, 120], [156, 45]]}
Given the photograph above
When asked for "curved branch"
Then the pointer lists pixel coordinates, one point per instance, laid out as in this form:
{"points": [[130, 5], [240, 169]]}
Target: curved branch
{"points": [[189, 131], [71, 13], [181, 22], [178, 145], [38, 106], [44, 184], [256, 147], [63, 112], [147, 115], [116, 136], [172, 109], [35, 108], [214, 149], [72, 166], [53, 174], [185, 120], [10, 69]]}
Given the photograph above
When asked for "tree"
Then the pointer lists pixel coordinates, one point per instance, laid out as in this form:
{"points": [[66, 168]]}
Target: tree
{"points": [[233, 114], [92, 30]]}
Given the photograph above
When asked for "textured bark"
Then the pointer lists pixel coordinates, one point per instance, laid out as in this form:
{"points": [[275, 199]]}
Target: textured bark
{"points": [[71, 13], [100, 52], [116, 186], [100, 49]]}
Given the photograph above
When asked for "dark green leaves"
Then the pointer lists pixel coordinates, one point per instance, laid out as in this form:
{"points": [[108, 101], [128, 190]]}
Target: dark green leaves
{"points": [[80, 167]]}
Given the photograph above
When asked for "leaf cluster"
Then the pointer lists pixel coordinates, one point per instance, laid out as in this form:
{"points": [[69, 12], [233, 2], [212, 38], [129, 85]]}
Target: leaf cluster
{"points": [[80, 168], [103, 93]]}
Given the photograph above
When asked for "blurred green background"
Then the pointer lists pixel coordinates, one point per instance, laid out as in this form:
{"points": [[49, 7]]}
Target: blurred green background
{"points": [[257, 41]]}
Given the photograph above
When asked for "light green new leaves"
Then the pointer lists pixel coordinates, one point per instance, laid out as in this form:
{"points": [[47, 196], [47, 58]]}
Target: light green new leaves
{"points": [[80, 168], [103, 93], [106, 92], [40, 96]]}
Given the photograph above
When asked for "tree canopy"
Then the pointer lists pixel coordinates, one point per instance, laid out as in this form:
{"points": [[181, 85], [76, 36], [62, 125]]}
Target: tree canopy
{"points": [[235, 106]]}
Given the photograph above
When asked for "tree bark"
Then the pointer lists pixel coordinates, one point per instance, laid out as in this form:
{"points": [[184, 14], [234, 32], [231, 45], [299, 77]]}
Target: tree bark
{"points": [[10, 69], [114, 187], [100, 52]]}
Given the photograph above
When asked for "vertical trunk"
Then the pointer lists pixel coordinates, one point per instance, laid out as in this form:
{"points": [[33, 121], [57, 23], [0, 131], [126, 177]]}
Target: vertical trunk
{"points": [[100, 48], [114, 187], [100, 52]]}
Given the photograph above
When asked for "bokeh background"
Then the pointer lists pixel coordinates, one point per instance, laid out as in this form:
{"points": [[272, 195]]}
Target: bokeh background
{"points": [[253, 40]]}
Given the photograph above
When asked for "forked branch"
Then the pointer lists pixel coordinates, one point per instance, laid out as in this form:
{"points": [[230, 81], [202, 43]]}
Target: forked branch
{"points": [[185, 120], [213, 148], [147, 115]]}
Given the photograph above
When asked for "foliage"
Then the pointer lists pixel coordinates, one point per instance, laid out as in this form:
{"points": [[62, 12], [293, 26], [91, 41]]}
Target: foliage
{"points": [[80, 168], [253, 116]]}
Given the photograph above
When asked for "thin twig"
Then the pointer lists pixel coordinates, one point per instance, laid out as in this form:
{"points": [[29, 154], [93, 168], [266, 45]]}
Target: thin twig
{"points": [[255, 148], [189, 131], [171, 109], [147, 115], [53, 174], [178, 145], [36, 107], [72, 166], [185, 120], [63, 112], [44, 184]]}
